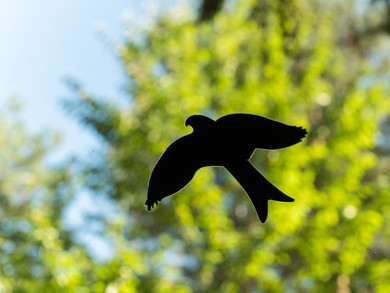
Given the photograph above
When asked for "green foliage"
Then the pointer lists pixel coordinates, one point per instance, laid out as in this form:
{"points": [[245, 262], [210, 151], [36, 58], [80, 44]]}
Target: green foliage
{"points": [[37, 254], [287, 60], [284, 60]]}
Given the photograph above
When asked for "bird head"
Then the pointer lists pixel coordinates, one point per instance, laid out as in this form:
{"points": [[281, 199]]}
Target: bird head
{"points": [[199, 122]]}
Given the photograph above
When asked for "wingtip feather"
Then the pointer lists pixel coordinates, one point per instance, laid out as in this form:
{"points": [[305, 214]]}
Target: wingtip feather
{"points": [[150, 204]]}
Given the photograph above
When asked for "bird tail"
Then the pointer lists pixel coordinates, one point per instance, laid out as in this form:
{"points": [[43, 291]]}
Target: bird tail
{"points": [[258, 188]]}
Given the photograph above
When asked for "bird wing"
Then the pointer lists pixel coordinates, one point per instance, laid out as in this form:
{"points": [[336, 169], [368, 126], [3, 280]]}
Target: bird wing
{"points": [[258, 188], [174, 170], [259, 132]]}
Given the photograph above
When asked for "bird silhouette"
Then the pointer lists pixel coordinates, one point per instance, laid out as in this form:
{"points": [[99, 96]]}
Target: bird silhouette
{"points": [[229, 142]]}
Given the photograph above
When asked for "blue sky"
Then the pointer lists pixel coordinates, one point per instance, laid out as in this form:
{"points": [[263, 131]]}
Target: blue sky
{"points": [[43, 42]]}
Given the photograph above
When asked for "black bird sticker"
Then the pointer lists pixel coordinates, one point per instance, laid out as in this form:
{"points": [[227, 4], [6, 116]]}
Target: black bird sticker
{"points": [[229, 142]]}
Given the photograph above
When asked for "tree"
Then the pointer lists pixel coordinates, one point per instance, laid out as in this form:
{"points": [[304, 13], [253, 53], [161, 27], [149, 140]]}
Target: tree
{"points": [[290, 61], [37, 251]]}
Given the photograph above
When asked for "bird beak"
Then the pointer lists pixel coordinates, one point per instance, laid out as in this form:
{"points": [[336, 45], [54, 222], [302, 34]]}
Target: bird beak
{"points": [[188, 121]]}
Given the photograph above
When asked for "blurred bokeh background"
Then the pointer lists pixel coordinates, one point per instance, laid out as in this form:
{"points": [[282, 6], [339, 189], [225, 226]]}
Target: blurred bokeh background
{"points": [[92, 93]]}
